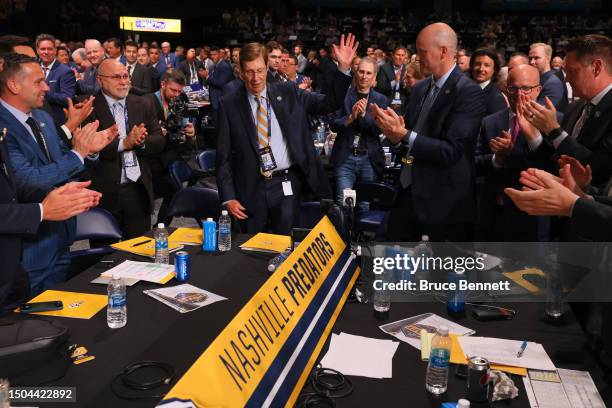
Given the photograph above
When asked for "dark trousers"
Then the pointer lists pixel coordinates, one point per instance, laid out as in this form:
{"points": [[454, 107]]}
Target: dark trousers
{"points": [[134, 212], [274, 211], [404, 226], [51, 276]]}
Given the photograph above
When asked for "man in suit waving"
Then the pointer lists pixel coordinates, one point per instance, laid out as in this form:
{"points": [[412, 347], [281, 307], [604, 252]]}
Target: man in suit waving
{"points": [[262, 172], [436, 194]]}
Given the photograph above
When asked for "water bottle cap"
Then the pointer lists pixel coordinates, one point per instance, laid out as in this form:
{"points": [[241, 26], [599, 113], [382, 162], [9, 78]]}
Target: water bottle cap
{"points": [[425, 238], [116, 277], [224, 212], [161, 225], [443, 330], [463, 403], [209, 219], [271, 268]]}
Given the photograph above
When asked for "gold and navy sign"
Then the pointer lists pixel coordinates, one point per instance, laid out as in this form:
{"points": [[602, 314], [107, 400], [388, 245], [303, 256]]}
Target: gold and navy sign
{"points": [[264, 355]]}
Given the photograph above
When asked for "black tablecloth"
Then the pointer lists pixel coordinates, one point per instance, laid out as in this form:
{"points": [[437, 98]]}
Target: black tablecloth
{"points": [[157, 332]]}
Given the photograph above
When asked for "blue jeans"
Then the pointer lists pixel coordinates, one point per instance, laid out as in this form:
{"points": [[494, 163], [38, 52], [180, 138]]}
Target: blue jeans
{"points": [[354, 169]]}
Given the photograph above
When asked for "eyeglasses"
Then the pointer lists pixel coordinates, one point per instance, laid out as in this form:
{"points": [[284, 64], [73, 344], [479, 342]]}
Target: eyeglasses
{"points": [[524, 89], [123, 77], [257, 72]]}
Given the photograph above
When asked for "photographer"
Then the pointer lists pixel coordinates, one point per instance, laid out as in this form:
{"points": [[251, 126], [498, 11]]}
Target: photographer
{"points": [[180, 134]]}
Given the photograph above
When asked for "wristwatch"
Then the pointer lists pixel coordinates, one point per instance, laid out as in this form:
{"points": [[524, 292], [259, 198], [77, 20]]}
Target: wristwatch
{"points": [[555, 133]]}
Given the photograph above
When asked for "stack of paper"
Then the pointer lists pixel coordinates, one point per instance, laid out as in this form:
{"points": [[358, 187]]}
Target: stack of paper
{"points": [[362, 356], [146, 271], [143, 246], [562, 389], [184, 298], [267, 243], [503, 351]]}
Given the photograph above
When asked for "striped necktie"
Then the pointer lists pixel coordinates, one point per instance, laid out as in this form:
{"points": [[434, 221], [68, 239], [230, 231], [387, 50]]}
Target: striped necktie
{"points": [[262, 122]]}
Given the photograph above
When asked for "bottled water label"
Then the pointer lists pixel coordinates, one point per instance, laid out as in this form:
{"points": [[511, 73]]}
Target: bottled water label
{"points": [[161, 244], [224, 229], [439, 358], [116, 301]]}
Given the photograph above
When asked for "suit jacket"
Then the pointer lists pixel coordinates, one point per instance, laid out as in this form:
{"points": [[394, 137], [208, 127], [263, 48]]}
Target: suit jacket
{"points": [[221, 75], [142, 80], [62, 86], [106, 173], [386, 74], [444, 151], [493, 99], [519, 226], [592, 219], [273, 76], [89, 84], [160, 67], [594, 143], [328, 73], [184, 67], [20, 216], [30, 166], [366, 126], [232, 86], [554, 89], [171, 59], [238, 173]]}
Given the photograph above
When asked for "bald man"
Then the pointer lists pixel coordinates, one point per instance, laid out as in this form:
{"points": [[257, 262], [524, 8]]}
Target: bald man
{"points": [[88, 85], [121, 174], [508, 144], [438, 136]]}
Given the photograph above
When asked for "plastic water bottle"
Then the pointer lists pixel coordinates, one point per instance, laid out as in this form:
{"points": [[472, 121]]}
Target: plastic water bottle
{"points": [[381, 299], [436, 378], [116, 311], [161, 244], [225, 232], [463, 403], [423, 250], [455, 304], [278, 259]]}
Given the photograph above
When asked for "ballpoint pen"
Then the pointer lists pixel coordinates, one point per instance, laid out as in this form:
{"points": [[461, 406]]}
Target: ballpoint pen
{"points": [[522, 350], [141, 243]]}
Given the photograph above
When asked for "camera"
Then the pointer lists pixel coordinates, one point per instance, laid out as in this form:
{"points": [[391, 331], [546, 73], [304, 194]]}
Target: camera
{"points": [[177, 110]]}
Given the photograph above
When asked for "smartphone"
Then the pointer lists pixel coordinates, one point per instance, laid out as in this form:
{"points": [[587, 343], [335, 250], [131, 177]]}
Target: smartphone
{"points": [[41, 306], [489, 314]]}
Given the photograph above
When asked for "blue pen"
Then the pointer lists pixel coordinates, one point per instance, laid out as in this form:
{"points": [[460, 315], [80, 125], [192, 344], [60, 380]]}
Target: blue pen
{"points": [[522, 350]]}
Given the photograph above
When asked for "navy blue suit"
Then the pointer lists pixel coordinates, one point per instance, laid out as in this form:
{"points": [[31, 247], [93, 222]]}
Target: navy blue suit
{"points": [[62, 86], [441, 199], [499, 218], [172, 62], [238, 168], [20, 216], [49, 248], [366, 126], [554, 89], [493, 99], [231, 86], [221, 75], [160, 67], [89, 84]]}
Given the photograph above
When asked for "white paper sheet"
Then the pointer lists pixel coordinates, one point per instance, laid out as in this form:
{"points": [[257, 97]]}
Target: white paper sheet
{"points": [[146, 271], [360, 356], [580, 389], [428, 319], [503, 351]]}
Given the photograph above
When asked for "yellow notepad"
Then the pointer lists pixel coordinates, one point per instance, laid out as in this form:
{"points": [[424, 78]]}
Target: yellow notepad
{"points": [[77, 305], [267, 243], [458, 357], [146, 249], [186, 236]]}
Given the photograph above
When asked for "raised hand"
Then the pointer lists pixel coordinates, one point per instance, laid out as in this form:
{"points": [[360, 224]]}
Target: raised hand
{"points": [[69, 200], [76, 114], [581, 174], [389, 122], [136, 137], [346, 51], [542, 117]]}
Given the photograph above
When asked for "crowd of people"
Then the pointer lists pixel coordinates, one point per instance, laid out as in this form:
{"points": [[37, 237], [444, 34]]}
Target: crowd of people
{"points": [[495, 142]]}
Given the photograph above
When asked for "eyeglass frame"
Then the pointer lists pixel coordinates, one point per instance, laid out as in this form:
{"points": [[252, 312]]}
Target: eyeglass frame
{"points": [[524, 89]]}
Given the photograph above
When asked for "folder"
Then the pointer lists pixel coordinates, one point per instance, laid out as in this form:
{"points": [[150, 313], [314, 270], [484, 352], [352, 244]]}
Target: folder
{"points": [[147, 249], [267, 243], [76, 305], [186, 236]]}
